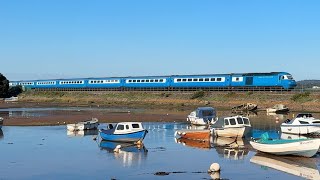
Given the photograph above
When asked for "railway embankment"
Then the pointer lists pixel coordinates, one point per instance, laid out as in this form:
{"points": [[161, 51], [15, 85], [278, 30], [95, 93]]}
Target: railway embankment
{"points": [[173, 100]]}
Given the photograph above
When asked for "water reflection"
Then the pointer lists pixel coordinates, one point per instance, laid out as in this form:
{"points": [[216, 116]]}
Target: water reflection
{"points": [[1, 134], [82, 133], [129, 154], [230, 148], [193, 143], [298, 166]]}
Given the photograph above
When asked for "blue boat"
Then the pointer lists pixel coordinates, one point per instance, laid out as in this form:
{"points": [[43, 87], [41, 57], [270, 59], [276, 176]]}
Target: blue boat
{"points": [[127, 147], [124, 132]]}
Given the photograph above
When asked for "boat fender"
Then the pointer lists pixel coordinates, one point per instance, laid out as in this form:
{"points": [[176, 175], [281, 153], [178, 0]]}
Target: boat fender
{"points": [[214, 168], [117, 149], [175, 133]]}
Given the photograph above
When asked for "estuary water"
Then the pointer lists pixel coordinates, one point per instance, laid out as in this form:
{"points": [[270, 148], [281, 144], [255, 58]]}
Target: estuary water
{"points": [[51, 152]]}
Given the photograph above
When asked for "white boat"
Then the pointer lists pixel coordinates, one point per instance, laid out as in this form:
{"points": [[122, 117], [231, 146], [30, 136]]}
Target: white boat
{"points": [[90, 124], [298, 166], [233, 126], [297, 147], [230, 148], [202, 116], [278, 108], [1, 122], [304, 123]]}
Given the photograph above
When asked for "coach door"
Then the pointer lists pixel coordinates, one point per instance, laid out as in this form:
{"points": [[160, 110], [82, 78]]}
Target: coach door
{"points": [[249, 80]]}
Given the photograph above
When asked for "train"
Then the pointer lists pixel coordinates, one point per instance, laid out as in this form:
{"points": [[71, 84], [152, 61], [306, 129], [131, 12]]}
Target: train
{"points": [[271, 81]]}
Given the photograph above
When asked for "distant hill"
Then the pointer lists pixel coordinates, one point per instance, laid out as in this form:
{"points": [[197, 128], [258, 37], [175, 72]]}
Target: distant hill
{"points": [[308, 83]]}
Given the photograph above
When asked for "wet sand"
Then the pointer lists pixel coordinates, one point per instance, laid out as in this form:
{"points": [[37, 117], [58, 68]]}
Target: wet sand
{"points": [[66, 117]]}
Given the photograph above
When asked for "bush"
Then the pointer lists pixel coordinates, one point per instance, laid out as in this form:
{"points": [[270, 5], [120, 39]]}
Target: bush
{"points": [[301, 96], [198, 94]]}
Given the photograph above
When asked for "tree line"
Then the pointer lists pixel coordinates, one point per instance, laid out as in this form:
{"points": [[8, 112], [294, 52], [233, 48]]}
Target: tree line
{"points": [[5, 90]]}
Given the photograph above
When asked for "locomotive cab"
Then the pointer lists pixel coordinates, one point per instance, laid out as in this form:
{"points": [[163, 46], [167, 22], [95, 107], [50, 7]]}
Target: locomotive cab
{"points": [[287, 81]]}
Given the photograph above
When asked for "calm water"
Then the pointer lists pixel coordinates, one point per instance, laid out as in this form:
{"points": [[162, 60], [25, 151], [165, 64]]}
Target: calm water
{"points": [[51, 153]]}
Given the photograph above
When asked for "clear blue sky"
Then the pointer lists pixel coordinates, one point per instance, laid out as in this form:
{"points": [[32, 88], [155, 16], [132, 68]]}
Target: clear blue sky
{"points": [[100, 38]]}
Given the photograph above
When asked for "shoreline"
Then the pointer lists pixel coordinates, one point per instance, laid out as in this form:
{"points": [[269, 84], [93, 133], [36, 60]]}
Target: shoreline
{"points": [[157, 107]]}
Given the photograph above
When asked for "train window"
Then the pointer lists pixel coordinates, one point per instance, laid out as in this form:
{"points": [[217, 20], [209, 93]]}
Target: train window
{"points": [[156, 80], [184, 80], [195, 79], [200, 79], [206, 79], [147, 80], [189, 79], [178, 80], [161, 80], [218, 79], [213, 79]]}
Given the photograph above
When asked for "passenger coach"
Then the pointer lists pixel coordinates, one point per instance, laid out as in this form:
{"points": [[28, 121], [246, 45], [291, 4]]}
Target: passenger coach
{"points": [[232, 82]]}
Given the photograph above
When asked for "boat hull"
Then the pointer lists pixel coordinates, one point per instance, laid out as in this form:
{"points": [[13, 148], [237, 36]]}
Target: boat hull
{"points": [[93, 124], [229, 132], [203, 135], [305, 147], [128, 137], [300, 129]]}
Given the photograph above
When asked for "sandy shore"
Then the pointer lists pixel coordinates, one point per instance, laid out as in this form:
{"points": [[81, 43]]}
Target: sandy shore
{"points": [[66, 117]]}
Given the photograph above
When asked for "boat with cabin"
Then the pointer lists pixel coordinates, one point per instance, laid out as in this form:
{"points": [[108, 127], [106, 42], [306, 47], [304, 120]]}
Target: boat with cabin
{"points": [[303, 123], [245, 107], [124, 132], [202, 116], [84, 125], [278, 108], [231, 126], [296, 147]]}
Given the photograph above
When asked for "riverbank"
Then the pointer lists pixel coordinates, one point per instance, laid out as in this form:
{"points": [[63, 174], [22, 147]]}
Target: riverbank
{"points": [[156, 106]]}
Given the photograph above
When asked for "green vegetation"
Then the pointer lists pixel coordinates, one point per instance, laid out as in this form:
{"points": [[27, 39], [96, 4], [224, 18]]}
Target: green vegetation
{"points": [[4, 86], [198, 94], [301, 97]]}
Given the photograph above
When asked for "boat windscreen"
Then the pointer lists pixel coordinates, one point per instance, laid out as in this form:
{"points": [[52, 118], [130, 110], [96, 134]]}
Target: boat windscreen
{"points": [[304, 115]]}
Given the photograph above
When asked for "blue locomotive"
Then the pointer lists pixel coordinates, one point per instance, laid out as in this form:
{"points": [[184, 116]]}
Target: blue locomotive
{"points": [[237, 81]]}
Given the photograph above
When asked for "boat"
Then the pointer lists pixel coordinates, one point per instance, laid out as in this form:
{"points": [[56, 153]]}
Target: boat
{"points": [[124, 132], [202, 116], [193, 143], [298, 166], [81, 133], [231, 126], [1, 122], [278, 108], [245, 107], [90, 124], [296, 147], [303, 123], [203, 135]]}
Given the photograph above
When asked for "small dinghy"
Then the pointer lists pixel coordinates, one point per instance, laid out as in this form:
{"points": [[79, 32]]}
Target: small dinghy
{"points": [[80, 126], [124, 132], [202, 135], [297, 147]]}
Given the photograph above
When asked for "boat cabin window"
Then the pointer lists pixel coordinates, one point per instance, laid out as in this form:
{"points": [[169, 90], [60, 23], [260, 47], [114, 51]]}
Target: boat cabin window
{"points": [[316, 122], [127, 126], [120, 127], [226, 122], [207, 113], [246, 120], [135, 126], [304, 116], [240, 121], [232, 121], [303, 122]]}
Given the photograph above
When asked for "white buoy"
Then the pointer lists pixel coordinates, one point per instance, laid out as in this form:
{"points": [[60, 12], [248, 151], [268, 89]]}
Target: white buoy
{"points": [[214, 168], [117, 149]]}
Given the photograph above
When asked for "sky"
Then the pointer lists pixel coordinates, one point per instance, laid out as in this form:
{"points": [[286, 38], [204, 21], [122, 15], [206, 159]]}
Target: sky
{"points": [[110, 38]]}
